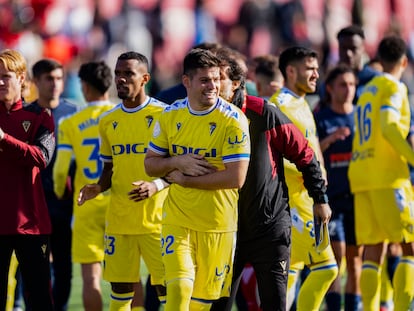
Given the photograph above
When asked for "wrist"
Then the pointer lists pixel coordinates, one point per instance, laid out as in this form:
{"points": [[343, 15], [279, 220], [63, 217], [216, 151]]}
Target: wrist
{"points": [[100, 188], [321, 199], [158, 184]]}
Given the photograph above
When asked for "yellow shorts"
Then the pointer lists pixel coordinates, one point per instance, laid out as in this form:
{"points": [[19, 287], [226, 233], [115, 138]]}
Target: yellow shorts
{"points": [[384, 214], [204, 257], [123, 257], [88, 230], [303, 250]]}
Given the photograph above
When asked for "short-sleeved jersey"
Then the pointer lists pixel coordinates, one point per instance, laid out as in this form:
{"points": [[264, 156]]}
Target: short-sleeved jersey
{"points": [[79, 136], [338, 155], [221, 134], [375, 162], [298, 111], [125, 134], [263, 205]]}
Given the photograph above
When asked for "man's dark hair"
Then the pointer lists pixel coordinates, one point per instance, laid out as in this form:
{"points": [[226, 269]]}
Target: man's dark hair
{"points": [[199, 58], [135, 55], [335, 72], [292, 55], [232, 58], [351, 31], [45, 66], [391, 49], [97, 74], [212, 46], [267, 65]]}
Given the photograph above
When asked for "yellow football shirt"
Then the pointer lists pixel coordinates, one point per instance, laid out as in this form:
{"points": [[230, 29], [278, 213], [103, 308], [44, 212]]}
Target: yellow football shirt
{"points": [[301, 204], [221, 134], [125, 134], [298, 111], [376, 163], [79, 137]]}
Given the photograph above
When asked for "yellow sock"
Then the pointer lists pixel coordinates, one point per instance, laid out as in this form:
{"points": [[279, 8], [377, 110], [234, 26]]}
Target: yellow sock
{"points": [[179, 293], [120, 302], [387, 292], [403, 284], [291, 287], [162, 299], [196, 305], [313, 290], [11, 286], [370, 285], [138, 309]]}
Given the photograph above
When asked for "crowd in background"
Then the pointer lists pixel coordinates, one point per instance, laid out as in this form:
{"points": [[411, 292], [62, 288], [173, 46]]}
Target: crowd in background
{"points": [[76, 31]]}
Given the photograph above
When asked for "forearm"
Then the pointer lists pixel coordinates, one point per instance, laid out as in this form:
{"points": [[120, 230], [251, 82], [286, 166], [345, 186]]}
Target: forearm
{"points": [[326, 142], [38, 155], [393, 136], [60, 171], [232, 177], [105, 180], [314, 181], [158, 166]]}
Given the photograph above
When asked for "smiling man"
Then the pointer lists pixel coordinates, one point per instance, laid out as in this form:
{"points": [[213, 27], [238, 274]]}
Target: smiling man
{"points": [[201, 144]]}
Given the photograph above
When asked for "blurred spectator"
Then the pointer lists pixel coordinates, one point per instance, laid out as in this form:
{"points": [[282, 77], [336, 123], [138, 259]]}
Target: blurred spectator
{"points": [[268, 77], [166, 30]]}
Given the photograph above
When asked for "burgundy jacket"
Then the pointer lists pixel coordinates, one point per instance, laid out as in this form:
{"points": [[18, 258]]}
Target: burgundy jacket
{"points": [[26, 148]]}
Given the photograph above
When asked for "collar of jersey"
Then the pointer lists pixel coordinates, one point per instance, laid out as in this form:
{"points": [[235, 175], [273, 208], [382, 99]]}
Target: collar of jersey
{"points": [[286, 90], [203, 112], [99, 103], [140, 107], [391, 77]]}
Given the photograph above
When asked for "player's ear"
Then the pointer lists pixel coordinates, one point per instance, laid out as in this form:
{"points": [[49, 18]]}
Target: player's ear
{"points": [[290, 70], [186, 80], [328, 88], [404, 61], [146, 77], [235, 84]]}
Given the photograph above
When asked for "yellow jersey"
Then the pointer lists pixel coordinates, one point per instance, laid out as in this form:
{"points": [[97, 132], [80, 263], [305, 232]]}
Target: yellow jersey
{"points": [[125, 134], [378, 162], [79, 138], [298, 111], [221, 134]]}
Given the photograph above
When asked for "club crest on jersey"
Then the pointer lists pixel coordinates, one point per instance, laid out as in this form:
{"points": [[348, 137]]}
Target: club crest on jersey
{"points": [[26, 125], [114, 124], [44, 247], [213, 126], [149, 120], [178, 126]]}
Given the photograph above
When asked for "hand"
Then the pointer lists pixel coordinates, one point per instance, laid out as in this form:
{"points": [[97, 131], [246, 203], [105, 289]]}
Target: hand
{"points": [[322, 212], [88, 192], [194, 165], [341, 133], [175, 177], [142, 190]]}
